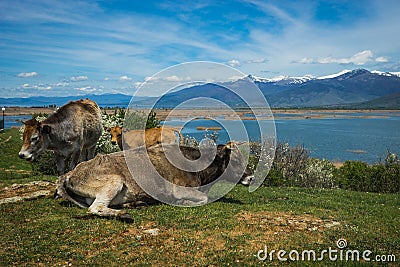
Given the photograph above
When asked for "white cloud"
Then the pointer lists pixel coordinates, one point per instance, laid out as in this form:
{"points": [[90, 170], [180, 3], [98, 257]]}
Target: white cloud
{"points": [[172, 78], [234, 63], [381, 59], [86, 89], [61, 84], [125, 78], [137, 84], [175, 78], [257, 61], [27, 74], [43, 88], [360, 58], [78, 78], [163, 81]]}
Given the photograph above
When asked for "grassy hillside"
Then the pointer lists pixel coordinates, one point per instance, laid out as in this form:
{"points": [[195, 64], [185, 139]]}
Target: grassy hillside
{"points": [[46, 232]]}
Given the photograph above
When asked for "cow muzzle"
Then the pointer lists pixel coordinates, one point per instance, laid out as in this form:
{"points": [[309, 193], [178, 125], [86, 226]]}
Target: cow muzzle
{"points": [[27, 156]]}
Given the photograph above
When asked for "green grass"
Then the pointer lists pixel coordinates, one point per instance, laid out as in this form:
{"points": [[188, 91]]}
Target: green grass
{"points": [[9, 150], [46, 232]]}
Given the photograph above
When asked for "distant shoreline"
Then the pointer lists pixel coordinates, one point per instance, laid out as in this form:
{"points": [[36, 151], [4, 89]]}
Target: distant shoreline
{"points": [[243, 114]]}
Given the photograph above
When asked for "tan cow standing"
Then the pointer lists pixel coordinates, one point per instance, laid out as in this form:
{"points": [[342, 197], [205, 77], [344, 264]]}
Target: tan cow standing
{"points": [[71, 132], [134, 138]]}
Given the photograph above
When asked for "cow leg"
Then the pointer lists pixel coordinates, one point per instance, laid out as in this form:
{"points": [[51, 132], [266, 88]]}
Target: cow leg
{"points": [[60, 161], [74, 159], [90, 152], [189, 196], [100, 205]]}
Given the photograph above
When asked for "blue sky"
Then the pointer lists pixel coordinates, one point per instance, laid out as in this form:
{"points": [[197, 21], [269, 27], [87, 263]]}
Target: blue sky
{"points": [[54, 47]]}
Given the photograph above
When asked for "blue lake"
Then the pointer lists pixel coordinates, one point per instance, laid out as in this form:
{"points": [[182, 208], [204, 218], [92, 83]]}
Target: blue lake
{"points": [[12, 121], [338, 139], [365, 139]]}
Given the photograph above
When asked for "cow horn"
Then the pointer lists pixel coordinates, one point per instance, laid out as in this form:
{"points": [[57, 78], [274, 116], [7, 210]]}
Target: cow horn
{"points": [[240, 143]]}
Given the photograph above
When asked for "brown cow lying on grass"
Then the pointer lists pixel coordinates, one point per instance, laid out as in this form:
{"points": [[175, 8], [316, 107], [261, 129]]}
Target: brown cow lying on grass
{"points": [[134, 138], [105, 181]]}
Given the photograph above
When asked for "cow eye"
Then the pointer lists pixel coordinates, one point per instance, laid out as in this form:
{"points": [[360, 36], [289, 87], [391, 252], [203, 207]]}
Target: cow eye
{"points": [[34, 138], [119, 135]]}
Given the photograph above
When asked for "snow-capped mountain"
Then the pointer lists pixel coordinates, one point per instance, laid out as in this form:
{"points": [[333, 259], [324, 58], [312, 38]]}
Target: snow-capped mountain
{"points": [[345, 87], [334, 75], [386, 73], [282, 79], [350, 88]]}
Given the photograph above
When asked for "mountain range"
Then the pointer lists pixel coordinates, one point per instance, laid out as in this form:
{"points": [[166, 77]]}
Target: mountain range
{"points": [[358, 88]]}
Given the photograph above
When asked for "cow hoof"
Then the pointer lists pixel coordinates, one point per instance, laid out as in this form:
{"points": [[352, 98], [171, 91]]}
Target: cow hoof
{"points": [[125, 218], [140, 205]]}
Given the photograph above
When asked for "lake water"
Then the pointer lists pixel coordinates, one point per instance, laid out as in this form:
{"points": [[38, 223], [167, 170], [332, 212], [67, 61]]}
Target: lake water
{"points": [[12, 121], [365, 139], [337, 139]]}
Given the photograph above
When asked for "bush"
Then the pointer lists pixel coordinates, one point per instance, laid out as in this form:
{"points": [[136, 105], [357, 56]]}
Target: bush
{"points": [[288, 165], [318, 174], [46, 164], [104, 145], [380, 178], [136, 119]]}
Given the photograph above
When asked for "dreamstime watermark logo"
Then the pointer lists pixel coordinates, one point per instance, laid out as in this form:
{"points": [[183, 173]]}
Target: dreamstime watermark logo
{"points": [[338, 253], [218, 93]]}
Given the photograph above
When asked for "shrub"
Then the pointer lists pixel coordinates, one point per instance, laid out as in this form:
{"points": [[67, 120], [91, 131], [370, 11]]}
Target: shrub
{"points": [[380, 178], [152, 121], [353, 176], [45, 164], [104, 144], [318, 174], [288, 165], [137, 119]]}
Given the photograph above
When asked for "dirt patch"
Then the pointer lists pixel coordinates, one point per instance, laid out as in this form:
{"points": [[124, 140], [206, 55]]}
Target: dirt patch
{"points": [[13, 170], [32, 190], [280, 221]]}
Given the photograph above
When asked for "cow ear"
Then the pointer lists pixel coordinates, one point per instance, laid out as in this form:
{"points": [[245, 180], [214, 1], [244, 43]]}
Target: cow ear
{"points": [[46, 129]]}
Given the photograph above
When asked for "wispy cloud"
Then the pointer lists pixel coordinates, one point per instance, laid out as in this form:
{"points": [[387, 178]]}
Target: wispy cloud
{"points": [[125, 78], [78, 78], [234, 63], [382, 59], [358, 59], [87, 89], [27, 74], [100, 39], [257, 61]]}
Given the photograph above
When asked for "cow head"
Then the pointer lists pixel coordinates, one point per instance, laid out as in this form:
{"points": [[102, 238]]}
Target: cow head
{"points": [[231, 153], [116, 134], [33, 139]]}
